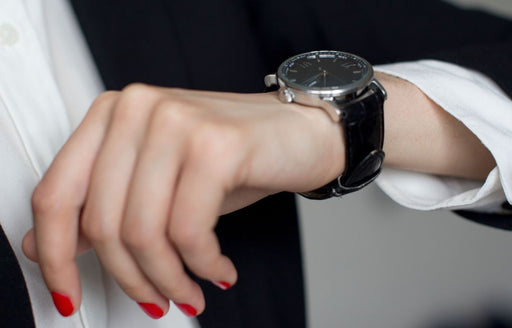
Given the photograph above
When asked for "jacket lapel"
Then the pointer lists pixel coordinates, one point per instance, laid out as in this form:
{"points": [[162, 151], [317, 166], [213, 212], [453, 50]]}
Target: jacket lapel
{"points": [[128, 47]]}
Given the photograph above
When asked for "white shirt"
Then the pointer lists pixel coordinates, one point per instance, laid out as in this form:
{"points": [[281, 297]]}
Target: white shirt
{"points": [[486, 110], [48, 80]]}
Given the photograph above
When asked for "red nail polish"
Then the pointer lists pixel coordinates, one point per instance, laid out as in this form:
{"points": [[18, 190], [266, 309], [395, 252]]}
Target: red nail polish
{"points": [[222, 285], [187, 309], [63, 304], [152, 310]]}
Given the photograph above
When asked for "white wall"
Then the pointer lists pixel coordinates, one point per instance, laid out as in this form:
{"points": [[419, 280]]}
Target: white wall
{"points": [[372, 264]]}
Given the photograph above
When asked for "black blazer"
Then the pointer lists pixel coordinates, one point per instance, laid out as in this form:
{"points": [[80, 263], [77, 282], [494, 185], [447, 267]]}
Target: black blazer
{"points": [[229, 45]]}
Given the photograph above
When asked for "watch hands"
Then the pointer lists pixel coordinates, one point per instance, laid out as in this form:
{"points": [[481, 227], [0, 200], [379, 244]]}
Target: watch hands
{"points": [[311, 79]]}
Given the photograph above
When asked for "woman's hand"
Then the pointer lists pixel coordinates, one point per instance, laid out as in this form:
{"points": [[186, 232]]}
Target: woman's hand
{"points": [[145, 176], [147, 173]]}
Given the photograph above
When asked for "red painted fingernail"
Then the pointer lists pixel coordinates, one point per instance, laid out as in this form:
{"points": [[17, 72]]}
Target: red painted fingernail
{"points": [[152, 310], [62, 303], [187, 309], [222, 285]]}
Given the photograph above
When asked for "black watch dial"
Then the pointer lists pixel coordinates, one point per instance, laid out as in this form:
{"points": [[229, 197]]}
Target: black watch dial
{"points": [[326, 70]]}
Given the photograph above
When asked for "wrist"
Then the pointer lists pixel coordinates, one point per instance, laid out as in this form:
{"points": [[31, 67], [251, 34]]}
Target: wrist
{"points": [[319, 137], [343, 86]]}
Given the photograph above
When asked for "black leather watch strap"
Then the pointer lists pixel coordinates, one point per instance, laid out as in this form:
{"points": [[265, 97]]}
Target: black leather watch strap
{"points": [[363, 125]]}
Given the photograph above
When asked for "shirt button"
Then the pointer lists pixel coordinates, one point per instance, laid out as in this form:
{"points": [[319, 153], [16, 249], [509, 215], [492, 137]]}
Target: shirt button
{"points": [[8, 35]]}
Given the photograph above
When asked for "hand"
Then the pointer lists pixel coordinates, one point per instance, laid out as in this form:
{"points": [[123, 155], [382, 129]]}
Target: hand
{"points": [[145, 176]]}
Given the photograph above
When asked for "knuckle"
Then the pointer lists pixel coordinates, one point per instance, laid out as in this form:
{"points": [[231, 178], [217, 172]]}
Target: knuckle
{"points": [[136, 238], [44, 200], [133, 102], [96, 230], [186, 237], [171, 113], [137, 89], [105, 99]]}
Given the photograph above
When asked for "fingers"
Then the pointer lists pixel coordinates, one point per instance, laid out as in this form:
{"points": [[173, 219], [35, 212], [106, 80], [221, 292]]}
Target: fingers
{"points": [[109, 184], [56, 203], [175, 197], [204, 181], [56, 239], [147, 211], [192, 230], [146, 170]]}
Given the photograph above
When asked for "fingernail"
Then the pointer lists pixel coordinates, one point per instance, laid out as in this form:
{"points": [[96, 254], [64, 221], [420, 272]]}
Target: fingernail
{"points": [[222, 284], [187, 309], [152, 310], [62, 303]]}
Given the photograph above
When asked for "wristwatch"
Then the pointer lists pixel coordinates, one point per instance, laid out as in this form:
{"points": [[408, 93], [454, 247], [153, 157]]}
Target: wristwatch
{"points": [[343, 85]]}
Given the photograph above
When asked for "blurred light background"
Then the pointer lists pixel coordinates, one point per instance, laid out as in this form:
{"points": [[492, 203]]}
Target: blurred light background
{"points": [[370, 263]]}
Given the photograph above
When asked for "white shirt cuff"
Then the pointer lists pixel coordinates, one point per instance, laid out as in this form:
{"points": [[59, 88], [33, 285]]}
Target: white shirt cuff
{"points": [[485, 109]]}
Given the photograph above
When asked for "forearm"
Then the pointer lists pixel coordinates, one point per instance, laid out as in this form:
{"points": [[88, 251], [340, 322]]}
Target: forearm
{"points": [[421, 136]]}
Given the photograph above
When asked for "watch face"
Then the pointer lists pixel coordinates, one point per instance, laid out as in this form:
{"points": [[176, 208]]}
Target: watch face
{"points": [[326, 72]]}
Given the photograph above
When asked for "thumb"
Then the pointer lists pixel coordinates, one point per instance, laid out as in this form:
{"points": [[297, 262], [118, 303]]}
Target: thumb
{"points": [[30, 250]]}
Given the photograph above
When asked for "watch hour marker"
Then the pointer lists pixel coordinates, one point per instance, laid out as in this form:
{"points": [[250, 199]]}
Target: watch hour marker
{"points": [[305, 64], [293, 70]]}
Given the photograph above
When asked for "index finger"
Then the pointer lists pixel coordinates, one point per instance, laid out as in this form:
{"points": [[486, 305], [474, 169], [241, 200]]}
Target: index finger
{"points": [[57, 202]]}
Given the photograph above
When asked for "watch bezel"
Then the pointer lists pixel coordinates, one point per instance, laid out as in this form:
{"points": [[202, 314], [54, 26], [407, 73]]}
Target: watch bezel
{"points": [[351, 90]]}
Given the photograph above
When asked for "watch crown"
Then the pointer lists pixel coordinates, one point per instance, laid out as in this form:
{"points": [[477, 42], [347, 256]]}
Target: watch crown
{"points": [[270, 80], [285, 95]]}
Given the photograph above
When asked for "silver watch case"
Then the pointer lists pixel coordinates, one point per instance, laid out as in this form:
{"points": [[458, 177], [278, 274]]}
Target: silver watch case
{"points": [[327, 99]]}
